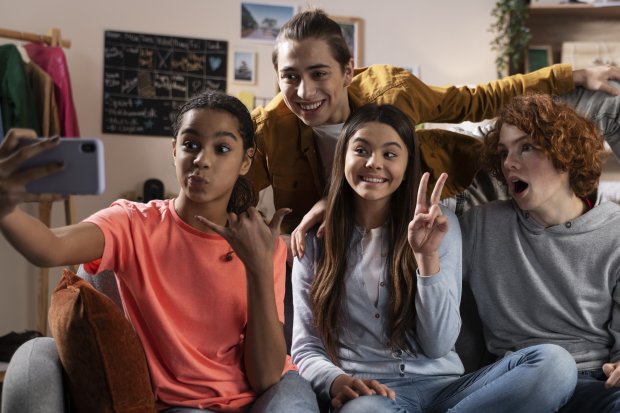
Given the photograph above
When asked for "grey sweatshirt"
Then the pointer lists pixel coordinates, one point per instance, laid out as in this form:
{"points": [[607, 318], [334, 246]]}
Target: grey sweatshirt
{"points": [[362, 349], [546, 285]]}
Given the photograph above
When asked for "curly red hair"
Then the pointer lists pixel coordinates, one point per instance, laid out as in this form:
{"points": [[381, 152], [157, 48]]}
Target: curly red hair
{"points": [[573, 143]]}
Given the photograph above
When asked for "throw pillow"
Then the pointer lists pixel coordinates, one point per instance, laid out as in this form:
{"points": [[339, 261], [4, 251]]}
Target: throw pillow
{"points": [[99, 350]]}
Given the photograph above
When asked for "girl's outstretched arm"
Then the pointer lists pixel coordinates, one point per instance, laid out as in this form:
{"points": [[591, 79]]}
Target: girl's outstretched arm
{"points": [[45, 247], [41, 246], [255, 243]]}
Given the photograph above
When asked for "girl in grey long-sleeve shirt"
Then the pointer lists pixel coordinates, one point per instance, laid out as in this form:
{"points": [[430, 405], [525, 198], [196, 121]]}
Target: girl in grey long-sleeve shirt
{"points": [[544, 267], [371, 333]]}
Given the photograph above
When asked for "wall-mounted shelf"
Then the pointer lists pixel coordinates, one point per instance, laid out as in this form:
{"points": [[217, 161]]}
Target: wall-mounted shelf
{"points": [[576, 8], [554, 24]]}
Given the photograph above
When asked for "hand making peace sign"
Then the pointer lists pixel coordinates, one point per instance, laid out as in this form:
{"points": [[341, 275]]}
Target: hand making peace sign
{"points": [[428, 227]]}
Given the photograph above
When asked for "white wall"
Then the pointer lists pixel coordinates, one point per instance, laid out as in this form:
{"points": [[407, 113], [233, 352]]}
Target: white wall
{"points": [[451, 48]]}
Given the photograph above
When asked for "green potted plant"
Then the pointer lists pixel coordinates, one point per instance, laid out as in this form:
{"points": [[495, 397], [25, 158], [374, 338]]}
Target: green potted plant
{"points": [[511, 35]]}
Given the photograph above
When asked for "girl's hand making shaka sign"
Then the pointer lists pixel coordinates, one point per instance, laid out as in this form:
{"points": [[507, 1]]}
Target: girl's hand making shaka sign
{"points": [[251, 238], [428, 227]]}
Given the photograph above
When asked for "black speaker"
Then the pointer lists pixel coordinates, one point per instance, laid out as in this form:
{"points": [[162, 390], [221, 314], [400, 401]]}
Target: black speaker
{"points": [[153, 189]]}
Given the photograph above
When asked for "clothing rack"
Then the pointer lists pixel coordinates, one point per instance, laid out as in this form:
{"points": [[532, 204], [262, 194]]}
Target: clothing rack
{"points": [[53, 38]]}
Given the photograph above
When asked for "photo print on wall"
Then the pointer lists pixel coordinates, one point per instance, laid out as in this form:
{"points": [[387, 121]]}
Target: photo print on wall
{"points": [[261, 22], [244, 65]]}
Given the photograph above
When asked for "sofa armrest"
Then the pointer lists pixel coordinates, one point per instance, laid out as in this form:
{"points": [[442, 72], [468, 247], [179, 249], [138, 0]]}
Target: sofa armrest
{"points": [[34, 379]]}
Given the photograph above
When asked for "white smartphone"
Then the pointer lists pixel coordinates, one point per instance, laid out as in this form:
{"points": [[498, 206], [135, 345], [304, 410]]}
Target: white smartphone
{"points": [[84, 169]]}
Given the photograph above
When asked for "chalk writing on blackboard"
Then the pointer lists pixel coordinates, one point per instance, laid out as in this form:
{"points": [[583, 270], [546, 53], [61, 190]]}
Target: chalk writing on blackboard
{"points": [[147, 77]]}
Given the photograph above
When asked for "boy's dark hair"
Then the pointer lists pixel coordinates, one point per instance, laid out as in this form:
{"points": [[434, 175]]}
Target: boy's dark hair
{"points": [[314, 24], [243, 195]]}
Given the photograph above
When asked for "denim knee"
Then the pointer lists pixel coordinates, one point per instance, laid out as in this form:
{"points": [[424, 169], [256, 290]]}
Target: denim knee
{"points": [[553, 356], [292, 393], [553, 361], [370, 404]]}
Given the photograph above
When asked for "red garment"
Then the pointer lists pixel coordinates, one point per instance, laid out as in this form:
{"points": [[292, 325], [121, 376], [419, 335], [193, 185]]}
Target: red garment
{"points": [[52, 60]]}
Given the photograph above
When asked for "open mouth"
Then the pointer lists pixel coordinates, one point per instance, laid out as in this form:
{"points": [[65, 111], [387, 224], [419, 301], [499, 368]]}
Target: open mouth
{"points": [[519, 186]]}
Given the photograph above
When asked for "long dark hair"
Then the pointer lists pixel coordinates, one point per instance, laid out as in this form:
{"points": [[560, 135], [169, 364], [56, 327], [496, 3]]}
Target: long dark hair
{"points": [[243, 194], [328, 287]]}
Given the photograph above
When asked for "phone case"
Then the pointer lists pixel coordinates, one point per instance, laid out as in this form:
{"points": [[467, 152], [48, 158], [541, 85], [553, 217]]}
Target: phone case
{"points": [[83, 172]]}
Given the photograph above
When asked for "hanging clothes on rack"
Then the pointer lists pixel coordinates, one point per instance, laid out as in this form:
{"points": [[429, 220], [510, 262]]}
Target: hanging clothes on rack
{"points": [[16, 96], [52, 60], [44, 99], [44, 69]]}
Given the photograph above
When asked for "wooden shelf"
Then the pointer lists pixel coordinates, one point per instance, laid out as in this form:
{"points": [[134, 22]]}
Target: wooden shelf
{"points": [[577, 9], [554, 24]]}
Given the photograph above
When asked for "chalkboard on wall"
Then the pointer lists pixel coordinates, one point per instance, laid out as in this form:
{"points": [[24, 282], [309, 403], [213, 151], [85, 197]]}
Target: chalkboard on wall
{"points": [[147, 77]]}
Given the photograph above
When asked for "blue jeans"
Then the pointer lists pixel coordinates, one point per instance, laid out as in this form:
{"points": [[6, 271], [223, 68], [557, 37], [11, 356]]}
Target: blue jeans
{"points": [[291, 394], [591, 395], [535, 379]]}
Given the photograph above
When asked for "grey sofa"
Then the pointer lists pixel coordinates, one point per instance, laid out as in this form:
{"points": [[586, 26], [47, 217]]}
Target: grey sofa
{"points": [[34, 381]]}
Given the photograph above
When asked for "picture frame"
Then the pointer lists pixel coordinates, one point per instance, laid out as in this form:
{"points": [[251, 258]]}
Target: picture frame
{"points": [[261, 22], [244, 67], [352, 30], [537, 57]]}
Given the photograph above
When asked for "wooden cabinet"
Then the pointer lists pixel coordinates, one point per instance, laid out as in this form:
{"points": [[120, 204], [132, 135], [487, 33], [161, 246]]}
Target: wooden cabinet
{"points": [[554, 24]]}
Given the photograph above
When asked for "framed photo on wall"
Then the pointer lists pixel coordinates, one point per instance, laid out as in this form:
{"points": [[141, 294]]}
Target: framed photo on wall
{"points": [[538, 57], [352, 30], [262, 22], [244, 66]]}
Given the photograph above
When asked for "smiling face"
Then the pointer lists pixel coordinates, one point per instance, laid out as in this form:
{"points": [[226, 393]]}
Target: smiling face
{"points": [[532, 180], [375, 163], [312, 82], [209, 157]]}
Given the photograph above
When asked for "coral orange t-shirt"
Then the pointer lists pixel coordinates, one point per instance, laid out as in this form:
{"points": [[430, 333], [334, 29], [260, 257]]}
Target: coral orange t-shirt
{"points": [[186, 300]]}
